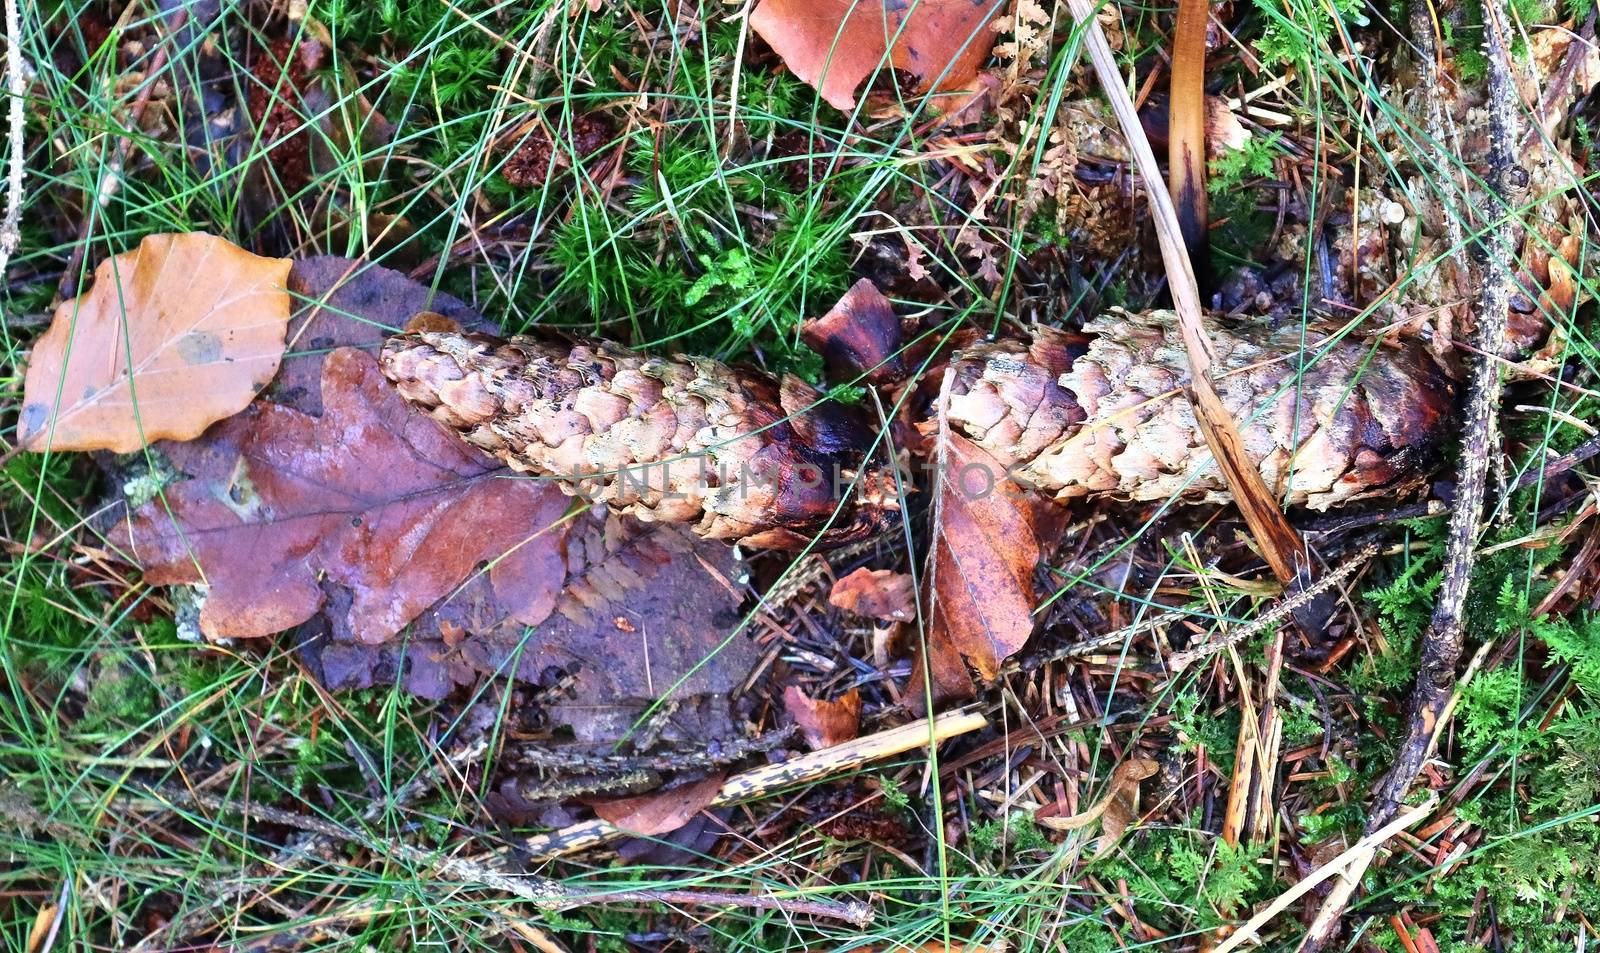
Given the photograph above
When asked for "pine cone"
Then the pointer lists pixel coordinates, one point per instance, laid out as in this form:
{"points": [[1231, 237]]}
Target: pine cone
{"points": [[1104, 412], [671, 439]]}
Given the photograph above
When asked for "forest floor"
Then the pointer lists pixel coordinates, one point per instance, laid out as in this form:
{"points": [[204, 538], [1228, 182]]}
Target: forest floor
{"points": [[658, 175]]}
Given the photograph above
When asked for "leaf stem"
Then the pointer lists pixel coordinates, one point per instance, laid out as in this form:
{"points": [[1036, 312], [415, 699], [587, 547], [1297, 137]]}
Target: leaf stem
{"points": [[1186, 130]]}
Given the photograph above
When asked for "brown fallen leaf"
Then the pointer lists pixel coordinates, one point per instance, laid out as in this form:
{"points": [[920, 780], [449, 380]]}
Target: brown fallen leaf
{"points": [[824, 723], [861, 335], [630, 611], [660, 812], [985, 548], [172, 338], [878, 593], [834, 45], [371, 495], [643, 611]]}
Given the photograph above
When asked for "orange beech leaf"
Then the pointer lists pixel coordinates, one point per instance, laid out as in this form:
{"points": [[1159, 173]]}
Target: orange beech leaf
{"points": [[660, 812], [834, 45], [172, 338], [878, 593], [985, 549], [825, 723]]}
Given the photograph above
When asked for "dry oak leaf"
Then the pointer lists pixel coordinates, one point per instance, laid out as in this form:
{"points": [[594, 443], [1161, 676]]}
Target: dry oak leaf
{"points": [[877, 593], [824, 723], [173, 337], [986, 546], [371, 495], [834, 45]]}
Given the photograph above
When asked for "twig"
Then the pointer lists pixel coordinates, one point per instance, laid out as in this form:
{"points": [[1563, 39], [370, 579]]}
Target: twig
{"points": [[1431, 697], [710, 756], [771, 777], [1443, 142], [542, 892], [1559, 465], [296, 854], [1186, 129], [16, 88], [1283, 610], [1280, 543], [1351, 858], [1441, 649]]}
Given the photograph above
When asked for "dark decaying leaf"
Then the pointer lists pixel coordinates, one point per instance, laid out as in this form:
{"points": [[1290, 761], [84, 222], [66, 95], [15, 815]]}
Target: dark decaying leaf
{"points": [[332, 505], [341, 302], [824, 723], [644, 611], [370, 495]]}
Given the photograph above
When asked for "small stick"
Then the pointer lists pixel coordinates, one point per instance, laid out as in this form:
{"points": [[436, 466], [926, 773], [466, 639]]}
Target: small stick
{"points": [[1432, 695], [710, 756], [1559, 465], [542, 892], [1350, 859], [1186, 129], [1441, 647], [758, 781], [16, 88], [1284, 609]]}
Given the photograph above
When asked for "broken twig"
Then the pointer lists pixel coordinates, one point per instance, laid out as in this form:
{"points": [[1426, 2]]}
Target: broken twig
{"points": [[1441, 643]]}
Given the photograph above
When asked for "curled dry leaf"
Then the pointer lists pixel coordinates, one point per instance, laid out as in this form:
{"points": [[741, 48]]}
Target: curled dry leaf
{"points": [[370, 494], [834, 45], [1116, 810], [172, 338], [825, 723], [877, 593], [660, 812]]}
